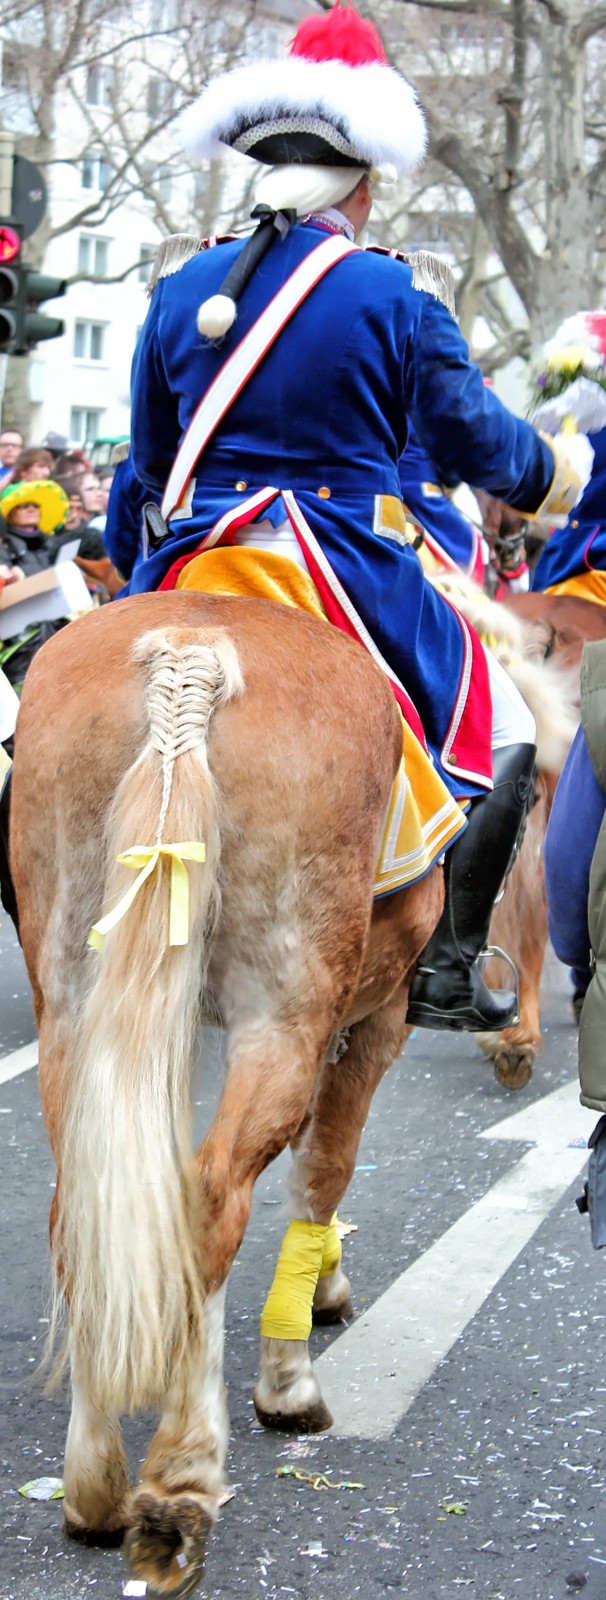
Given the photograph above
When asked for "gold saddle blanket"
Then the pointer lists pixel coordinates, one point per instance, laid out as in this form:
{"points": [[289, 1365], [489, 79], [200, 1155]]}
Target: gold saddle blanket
{"points": [[422, 817]]}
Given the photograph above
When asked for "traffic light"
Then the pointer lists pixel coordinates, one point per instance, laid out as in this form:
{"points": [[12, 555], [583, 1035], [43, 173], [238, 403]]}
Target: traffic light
{"points": [[22, 290], [33, 325]]}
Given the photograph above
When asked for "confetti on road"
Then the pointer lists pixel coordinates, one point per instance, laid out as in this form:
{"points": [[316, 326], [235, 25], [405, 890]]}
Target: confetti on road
{"points": [[318, 1480]]}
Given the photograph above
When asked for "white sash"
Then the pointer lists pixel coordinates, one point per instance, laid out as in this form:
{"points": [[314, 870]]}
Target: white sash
{"points": [[244, 359]]}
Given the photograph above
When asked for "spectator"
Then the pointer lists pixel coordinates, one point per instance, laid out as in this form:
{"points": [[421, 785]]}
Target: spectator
{"points": [[75, 517], [93, 497], [32, 465], [105, 479], [92, 556], [71, 463], [57, 443], [11, 442], [30, 512]]}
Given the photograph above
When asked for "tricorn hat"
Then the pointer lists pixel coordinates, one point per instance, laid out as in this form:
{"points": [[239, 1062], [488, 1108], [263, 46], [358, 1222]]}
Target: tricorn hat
{"points": [[334, 101], [331, 111]]}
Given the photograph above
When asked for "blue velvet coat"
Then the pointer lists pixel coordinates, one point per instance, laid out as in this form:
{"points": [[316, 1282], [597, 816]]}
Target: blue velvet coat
{"points": [[328, 408], [581, 545], [449, 532]]}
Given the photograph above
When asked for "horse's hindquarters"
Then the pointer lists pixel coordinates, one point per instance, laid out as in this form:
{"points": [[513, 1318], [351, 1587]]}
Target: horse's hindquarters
{"points": [[300, 763]]}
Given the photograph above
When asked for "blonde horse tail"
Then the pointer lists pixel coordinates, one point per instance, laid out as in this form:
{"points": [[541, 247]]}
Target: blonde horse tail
{"points": [[125, 1242]]}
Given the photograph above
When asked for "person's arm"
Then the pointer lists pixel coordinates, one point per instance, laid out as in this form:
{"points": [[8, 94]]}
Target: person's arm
{"points": [[122, 536], [155, 418], [465, 428], [576, 818]]}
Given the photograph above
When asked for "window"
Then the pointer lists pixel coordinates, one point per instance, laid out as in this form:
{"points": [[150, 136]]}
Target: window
{"points": [[96, 172], [92, 255], [159, 96], [99, 84], [146, 256], [88, 341], [85, 425]]}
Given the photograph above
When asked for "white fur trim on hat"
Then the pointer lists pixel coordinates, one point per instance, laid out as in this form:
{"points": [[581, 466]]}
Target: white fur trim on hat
{"points": [[374, 111]]}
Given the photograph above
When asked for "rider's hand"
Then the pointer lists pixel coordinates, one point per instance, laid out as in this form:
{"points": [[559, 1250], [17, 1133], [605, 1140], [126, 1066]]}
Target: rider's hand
{"points": [[573, 460]]}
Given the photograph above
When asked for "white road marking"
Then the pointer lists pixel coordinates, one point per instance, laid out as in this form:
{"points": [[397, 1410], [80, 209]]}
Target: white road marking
{"points": [[371, 1374], [19, 1061]]}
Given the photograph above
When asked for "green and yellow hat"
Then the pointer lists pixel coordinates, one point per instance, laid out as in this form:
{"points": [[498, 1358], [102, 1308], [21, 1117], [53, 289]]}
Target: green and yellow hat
{"points": [[45, 493]]}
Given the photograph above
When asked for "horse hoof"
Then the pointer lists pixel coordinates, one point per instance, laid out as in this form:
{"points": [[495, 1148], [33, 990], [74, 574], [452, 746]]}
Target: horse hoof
{"points": [[331, 1300], [513, 1066], [287, 1395], [165, 1545], [103, 1538], [315, 1419]]}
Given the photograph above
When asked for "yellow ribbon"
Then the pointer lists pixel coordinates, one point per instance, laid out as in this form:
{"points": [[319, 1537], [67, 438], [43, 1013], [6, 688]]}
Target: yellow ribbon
{"points": [[146, 858]]}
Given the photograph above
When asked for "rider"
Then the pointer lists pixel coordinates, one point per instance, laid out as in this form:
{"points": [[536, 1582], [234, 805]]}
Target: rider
{"points": [[571, 381], [304, 445]]}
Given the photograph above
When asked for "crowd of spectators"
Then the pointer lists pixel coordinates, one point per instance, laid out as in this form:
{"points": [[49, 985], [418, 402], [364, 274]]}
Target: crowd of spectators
{"points": [[50, 496]]}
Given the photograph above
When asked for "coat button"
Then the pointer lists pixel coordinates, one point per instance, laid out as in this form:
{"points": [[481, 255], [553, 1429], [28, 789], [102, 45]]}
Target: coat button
{"points": [[574, 524], [240, 485], [324, 494], [453, 759]]}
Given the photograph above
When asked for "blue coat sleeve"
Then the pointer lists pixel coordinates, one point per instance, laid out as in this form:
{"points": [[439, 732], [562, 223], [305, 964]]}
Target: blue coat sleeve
{"points": [[463, 426], [124, 526], [576, 817], [155, 418]]}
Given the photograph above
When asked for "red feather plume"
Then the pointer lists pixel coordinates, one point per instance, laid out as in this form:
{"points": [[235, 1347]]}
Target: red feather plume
{"points": [[339, 35]]}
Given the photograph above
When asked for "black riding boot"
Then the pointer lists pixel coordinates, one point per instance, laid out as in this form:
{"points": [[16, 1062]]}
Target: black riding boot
{"points": [[448, 990]]}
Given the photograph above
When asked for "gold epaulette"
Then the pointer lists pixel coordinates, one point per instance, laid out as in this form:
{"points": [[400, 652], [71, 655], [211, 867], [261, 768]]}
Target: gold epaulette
{"points": [[429, 272], [173, 253]]}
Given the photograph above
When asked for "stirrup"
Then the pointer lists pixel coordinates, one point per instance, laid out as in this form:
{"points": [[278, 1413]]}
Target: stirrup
{"points": [[495, 950]]}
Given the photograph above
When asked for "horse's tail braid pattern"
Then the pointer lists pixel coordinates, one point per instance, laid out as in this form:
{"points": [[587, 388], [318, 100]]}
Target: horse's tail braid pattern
{"points": [[186, 681]]}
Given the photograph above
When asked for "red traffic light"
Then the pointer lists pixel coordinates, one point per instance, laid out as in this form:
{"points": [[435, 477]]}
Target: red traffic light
{"points": [[10, 244]]}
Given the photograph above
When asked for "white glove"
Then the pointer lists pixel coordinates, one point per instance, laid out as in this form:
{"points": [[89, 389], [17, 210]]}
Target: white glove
{"points": [[573, 461], [581, 455]]}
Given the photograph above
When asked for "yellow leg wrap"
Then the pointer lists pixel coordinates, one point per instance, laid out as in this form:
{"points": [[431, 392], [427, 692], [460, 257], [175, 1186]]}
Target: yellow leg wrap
{"points": [[331, 1258], [287, 1310]]}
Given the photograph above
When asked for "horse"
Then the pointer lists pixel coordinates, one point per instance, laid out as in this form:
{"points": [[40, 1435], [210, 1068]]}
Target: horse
{"points": [[539, 640], [519, 924], [253, 734]]}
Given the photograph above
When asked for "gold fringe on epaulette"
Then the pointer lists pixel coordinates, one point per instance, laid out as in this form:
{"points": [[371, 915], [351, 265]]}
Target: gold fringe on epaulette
{"points": [[171, 255], [431, 273], [119, 452]]}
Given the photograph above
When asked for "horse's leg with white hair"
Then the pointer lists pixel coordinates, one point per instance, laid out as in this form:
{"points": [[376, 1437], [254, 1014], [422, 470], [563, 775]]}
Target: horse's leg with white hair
{"points": [[287, 1395]]}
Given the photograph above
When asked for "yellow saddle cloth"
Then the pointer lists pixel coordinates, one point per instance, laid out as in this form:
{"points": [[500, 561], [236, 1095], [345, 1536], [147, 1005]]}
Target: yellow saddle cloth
{"points": [[585, 586], [422, 817]]}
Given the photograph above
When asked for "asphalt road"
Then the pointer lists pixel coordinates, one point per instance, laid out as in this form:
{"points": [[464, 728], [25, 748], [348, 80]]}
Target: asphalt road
{"points": [[509, 1423]]}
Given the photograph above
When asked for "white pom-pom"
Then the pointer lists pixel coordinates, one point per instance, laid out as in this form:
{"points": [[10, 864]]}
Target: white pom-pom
{"points": [[216, 316]]}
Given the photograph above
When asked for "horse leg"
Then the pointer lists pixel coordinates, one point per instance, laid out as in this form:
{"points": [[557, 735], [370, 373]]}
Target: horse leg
{"points": [[287, 1395], [262, 1106], [519, 926]]}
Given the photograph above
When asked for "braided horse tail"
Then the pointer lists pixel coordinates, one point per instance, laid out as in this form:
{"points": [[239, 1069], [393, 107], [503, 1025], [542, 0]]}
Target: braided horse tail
{"points": [[124, 1244]]}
